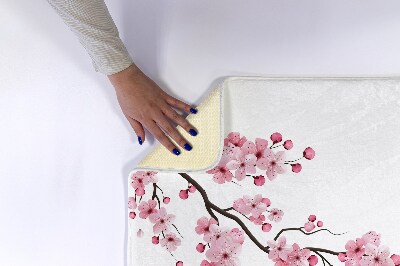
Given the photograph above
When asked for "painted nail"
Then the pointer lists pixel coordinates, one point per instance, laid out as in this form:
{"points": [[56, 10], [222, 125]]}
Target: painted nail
{"points": [[187, 147], [176, 152], [140, 140], [192, 132], [193, 110]]}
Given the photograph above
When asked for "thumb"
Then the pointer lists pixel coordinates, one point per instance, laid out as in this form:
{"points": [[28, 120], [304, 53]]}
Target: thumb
{"points": [[138, 128]]}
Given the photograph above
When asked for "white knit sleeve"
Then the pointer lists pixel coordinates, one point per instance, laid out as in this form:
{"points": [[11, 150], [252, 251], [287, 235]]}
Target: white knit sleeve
{"points": [[91, 21]]}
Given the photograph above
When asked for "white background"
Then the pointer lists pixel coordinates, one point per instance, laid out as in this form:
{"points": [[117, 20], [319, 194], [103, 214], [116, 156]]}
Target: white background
{"points": [[65, 147]]}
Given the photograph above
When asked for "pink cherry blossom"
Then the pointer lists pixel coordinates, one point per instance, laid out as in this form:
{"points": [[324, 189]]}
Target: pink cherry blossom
{"points": [[266, 201], [250, 205], [308, 153], [224, 253], [242, 164], [372, 237], [266, 227], [203, 225], [355, 249], [170, 242], [241, 206], [279, 249], [376, 256], [221, 172], [161, 220], [140, 180], [280, 262], [259, 149], [132, 203], [299, 257], [147, 208], [257, 220], [276, 137], [237, 235], [288, 144], [216, 233], [207, 263], [140, 191], [235, 139], [273, 163], [151, 175], [275, 215], [259, 180], [309, 226], [342, 257]]}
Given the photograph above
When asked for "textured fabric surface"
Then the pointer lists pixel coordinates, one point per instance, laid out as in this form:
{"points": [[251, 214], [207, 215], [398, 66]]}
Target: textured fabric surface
{"points": [[92, 23], [309, 172]]}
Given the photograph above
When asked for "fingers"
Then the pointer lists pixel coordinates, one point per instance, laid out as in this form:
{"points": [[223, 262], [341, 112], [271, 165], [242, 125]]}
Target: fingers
{"points": [[163, 122], [138, 128], [180, 105], [177, 118], [161, 137]]}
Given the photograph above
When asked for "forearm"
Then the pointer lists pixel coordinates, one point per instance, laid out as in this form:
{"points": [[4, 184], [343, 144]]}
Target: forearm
{"points": [[92, 23]]}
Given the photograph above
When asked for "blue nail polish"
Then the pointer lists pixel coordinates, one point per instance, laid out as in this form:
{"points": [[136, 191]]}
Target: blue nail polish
{"points": [[192, 132], [187, 147], [140, 140], [193, 111], [176, 152]]}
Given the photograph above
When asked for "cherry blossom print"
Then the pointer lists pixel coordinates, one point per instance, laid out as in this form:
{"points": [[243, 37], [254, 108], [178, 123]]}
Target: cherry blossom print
{"points": [[309, 153], [155, 240], [276, 137], [288, 144], [376, 256], [184, 194], [299, 257], [161, 220], [203, 225], [279, 249], [266, 227], [235, 139], [216, 233], [147, 208], [355, 249], [259, 149], [179, 263], [275, 215], [170, 242], [250, 205], [132, 203], [257, 219], [140, 179], [224, 253], [259, 180], [296, 167], [242, 164], [237, 235], [372, 237], [274, 164], [200, 247], [312, 260], [207, 263], [221, 173], [312, 218], [132, 215], [396, 259], [309, 226]]}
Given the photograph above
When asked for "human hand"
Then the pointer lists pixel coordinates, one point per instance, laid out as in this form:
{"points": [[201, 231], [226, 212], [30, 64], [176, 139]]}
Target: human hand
{"points": [[145, 104]]}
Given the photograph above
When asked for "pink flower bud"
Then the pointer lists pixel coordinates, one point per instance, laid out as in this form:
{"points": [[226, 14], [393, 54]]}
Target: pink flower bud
{"points": [[179, 263], [184, 194], [259, 180], [309, 226], [288, 144], [320, 224], [192, 189], [396, 259], [155, 240], [296, 167], [312, 260], [132, 215], [308, 153], [266, 227], [276, 137], [312, 218], [139, 191], [140, 233], [200, 247], [166, 200], [266, 201], [342, 257]]}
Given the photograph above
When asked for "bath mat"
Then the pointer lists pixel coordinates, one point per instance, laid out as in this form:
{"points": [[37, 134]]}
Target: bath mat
{"points": [[284, 171]]}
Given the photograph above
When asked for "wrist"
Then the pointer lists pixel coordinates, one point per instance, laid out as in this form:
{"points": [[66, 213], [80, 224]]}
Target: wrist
{"points": [[124, 75]]}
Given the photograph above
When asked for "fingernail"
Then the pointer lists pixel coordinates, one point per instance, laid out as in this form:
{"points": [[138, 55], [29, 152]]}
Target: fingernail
{"points": [[192, 132], [187, 147], [140, 140], [193, 110], [176, 152]]}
